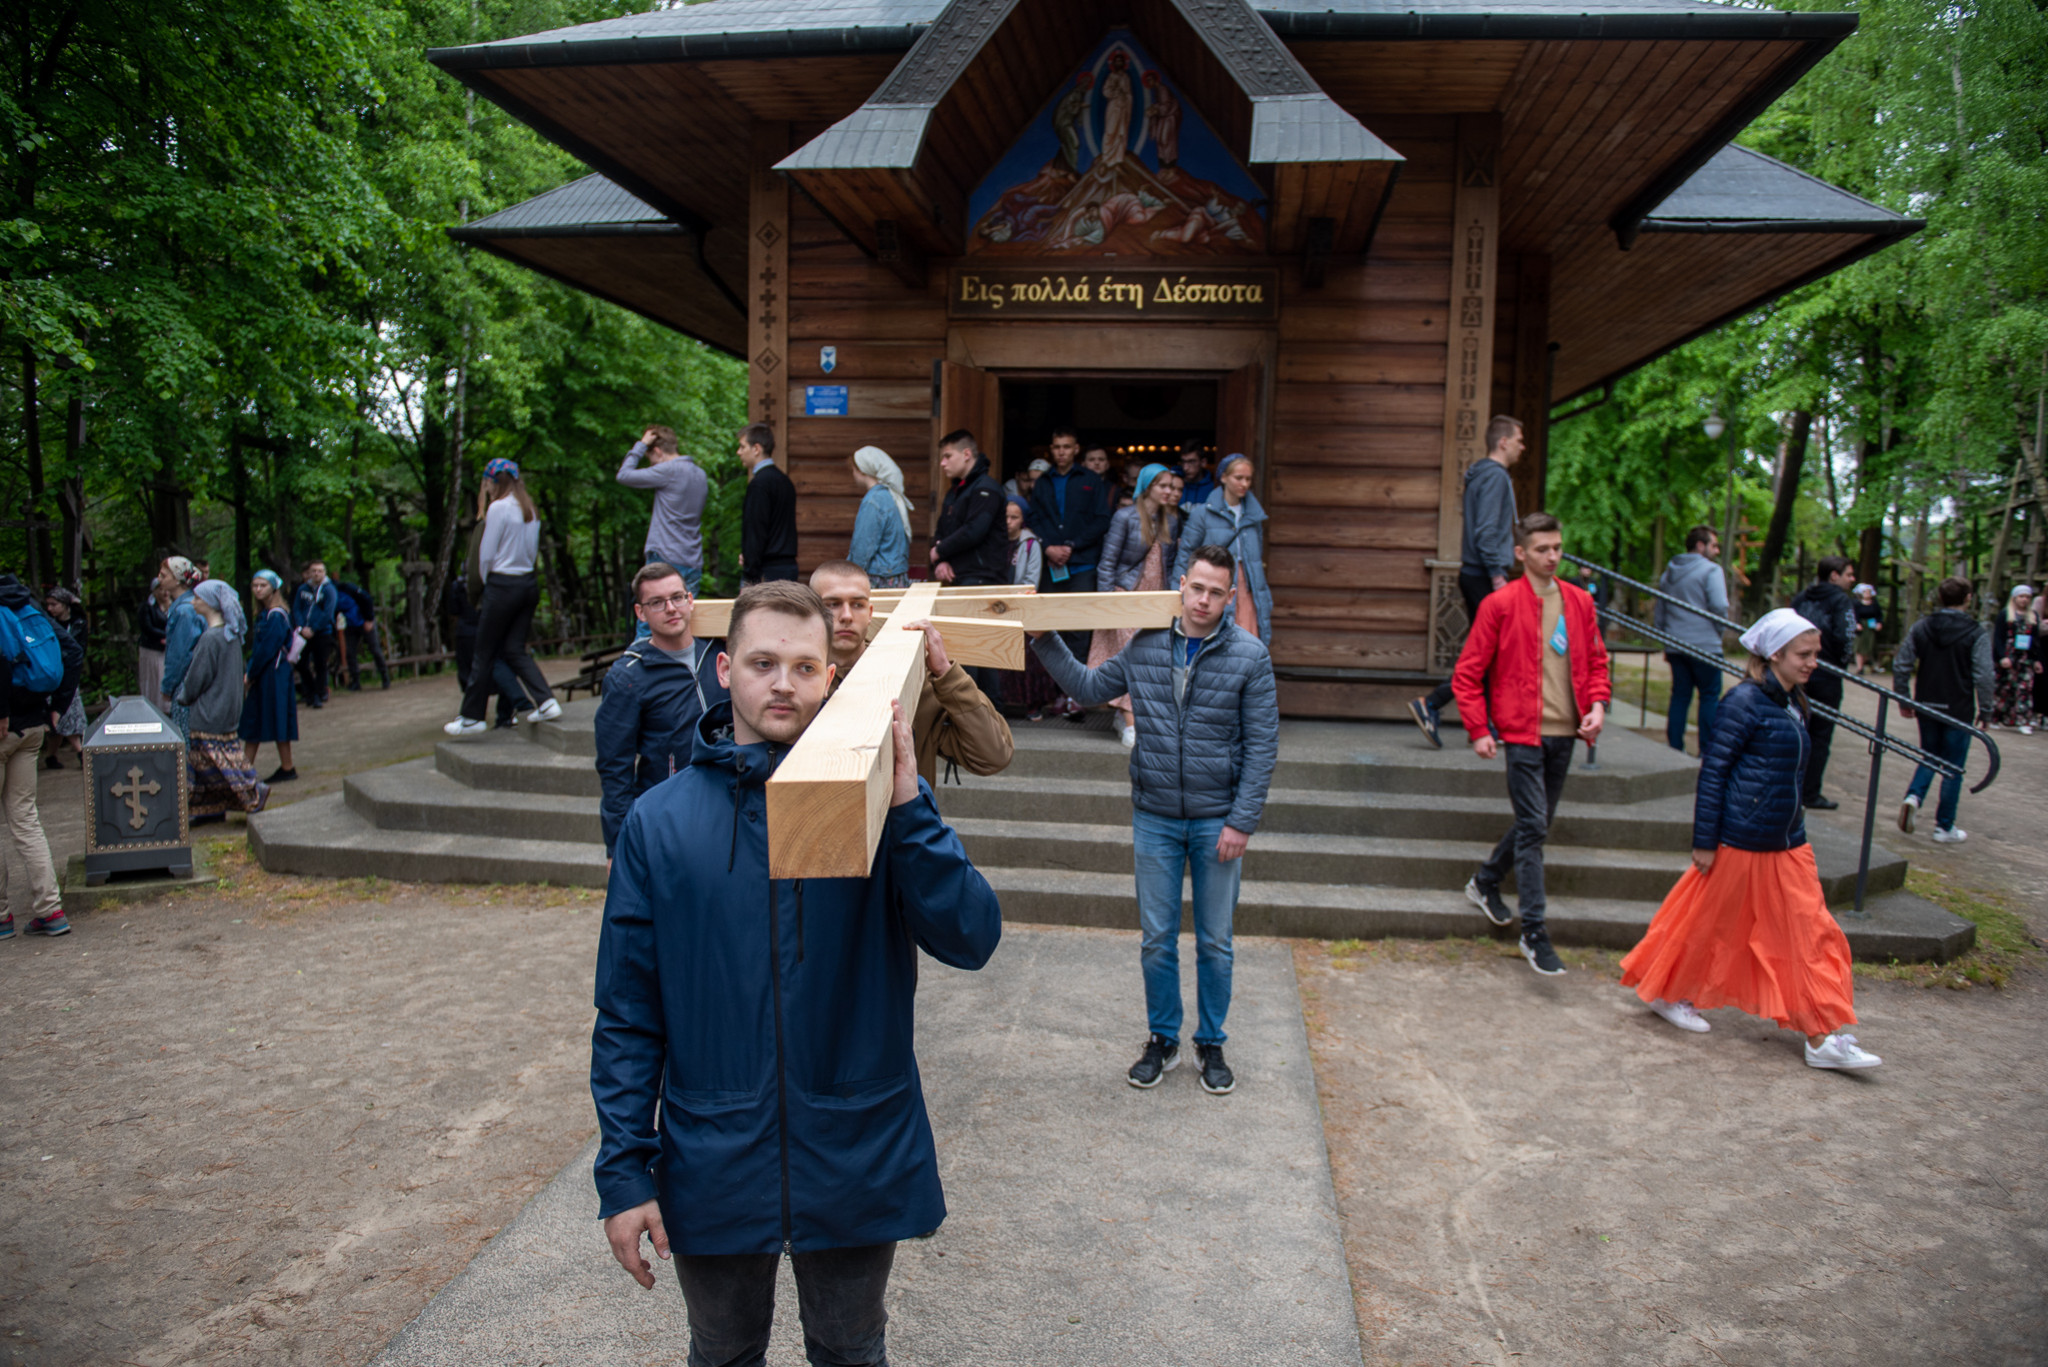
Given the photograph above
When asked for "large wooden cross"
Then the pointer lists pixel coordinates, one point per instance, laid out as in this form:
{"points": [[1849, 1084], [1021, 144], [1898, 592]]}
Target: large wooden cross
{"points": [[829, 797]]}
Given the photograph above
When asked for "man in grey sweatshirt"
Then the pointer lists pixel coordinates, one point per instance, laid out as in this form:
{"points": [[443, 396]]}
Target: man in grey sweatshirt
{"points": [[1487, 552], [1694, 578], [679, 485]]}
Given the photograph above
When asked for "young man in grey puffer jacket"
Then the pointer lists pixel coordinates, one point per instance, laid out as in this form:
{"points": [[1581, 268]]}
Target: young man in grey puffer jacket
{"points": [[1208, 721]]}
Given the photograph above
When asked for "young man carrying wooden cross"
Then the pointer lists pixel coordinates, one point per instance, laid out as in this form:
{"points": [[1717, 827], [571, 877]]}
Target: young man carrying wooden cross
{"points": [[777, 1044], [1208, 720], [955, 720]]}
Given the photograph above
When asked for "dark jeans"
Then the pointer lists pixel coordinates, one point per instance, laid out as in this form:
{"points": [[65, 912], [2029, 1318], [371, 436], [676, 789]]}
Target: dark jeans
{"points": [[731, 1299], [1822, 688], [1082, 581], [772, 570], [354, 639], [1949, 743], [1536, 775], [501, 626], [1473, 586], [316, 662], [511, 696], [1689, 676]]}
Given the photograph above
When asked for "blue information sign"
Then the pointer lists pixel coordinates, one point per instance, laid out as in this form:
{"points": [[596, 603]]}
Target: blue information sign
{"points": [[824, 400]]}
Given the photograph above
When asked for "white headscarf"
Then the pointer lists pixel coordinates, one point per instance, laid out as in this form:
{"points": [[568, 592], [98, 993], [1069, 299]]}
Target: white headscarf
{"points": [[874, 462], [1774, 631]]}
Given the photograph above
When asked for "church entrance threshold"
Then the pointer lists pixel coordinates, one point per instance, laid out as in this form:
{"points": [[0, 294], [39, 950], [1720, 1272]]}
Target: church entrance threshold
{"points": [[1137, 418]]}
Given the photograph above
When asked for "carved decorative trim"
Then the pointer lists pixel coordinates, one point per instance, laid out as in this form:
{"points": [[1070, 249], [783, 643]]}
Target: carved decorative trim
{"points": [[768, 285], [1247, 47], [1448, 622], [929, 69]]}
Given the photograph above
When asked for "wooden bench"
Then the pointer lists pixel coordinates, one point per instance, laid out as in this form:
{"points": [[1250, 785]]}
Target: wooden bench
{"points": [[596, 663]]}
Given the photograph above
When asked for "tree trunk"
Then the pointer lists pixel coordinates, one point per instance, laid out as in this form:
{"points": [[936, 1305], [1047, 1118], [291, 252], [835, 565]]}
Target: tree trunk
{"points": [[238, 479], [36, 539], [1791, 467], [71, 498]]}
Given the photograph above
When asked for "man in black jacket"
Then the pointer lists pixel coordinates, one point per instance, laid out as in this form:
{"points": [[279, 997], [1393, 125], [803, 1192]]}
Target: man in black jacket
{"points": [[29, 715], [1947, 659], [360, 633], [1071, 507], [973, 544], [768, 514], [1827, 604]]}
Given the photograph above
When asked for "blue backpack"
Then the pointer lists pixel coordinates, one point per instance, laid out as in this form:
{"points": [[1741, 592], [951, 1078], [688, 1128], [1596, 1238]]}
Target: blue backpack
{"points": [[29, 640]]}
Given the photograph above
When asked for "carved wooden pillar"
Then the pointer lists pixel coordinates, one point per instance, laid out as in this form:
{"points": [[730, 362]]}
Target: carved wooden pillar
{"points": [[1532, 377], [1475, 257], [768, 286]]}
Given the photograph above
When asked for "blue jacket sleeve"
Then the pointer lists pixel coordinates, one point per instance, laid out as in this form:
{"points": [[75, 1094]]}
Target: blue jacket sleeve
{"points": [[1115, 576], [868, 529], [629, 1044], [951, 910], [618, 750], [1258, 720], [1194, 534], [1084, 685], [1732, 725], [181, 633]]}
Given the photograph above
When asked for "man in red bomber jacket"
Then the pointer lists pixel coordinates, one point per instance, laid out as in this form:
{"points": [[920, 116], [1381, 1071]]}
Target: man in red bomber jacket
{"points": [[1534, 674]]}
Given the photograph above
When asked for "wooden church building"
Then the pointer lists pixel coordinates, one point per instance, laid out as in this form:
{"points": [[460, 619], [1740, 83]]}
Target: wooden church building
{"points": [[1335, 235]]}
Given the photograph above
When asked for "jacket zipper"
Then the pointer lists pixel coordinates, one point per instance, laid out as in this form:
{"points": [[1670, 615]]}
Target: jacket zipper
{"points": [[1797, 804], [781, 1086]]}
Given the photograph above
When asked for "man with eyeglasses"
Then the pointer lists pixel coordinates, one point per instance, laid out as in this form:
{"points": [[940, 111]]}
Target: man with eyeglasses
{"points": [[653, 696]]}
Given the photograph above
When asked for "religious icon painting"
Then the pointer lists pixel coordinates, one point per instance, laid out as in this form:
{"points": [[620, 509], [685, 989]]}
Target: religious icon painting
{"points": [[1118, 164]]}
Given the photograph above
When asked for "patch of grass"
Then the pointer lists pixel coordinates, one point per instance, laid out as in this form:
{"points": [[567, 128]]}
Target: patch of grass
{"points": [[2004, 944]]}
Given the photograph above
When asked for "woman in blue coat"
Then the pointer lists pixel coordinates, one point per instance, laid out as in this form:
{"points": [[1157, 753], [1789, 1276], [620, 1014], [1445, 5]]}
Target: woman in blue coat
{"points": [[881, 527], [1233, 519], [270, 712], [1747, 926]]}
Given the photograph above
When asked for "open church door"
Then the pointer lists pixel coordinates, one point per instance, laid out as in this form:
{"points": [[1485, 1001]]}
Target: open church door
{"points": [[1240, 425], [964, 397]]}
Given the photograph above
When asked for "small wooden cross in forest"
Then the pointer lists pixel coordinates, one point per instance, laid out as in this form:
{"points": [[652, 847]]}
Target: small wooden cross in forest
{"points": [[133, 795], [829, 797]]}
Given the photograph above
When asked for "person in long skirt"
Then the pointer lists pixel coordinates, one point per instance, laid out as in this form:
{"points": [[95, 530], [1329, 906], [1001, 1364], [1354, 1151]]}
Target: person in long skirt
{"points": [[1747, 925], [150, 622], [270, 710], [222, 779]]}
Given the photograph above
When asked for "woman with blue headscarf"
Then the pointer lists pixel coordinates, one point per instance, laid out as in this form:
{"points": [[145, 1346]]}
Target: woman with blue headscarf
{"points": [[270, 710], [1233, 519], [212, 694], [1135, 556]]}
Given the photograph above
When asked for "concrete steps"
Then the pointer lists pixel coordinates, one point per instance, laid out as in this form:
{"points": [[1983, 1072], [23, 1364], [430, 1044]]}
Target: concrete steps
{"points": [[1367, 832]]}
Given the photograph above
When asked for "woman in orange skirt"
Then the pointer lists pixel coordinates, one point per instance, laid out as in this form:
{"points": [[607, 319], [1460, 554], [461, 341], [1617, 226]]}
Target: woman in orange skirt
{"points": [[1747, 925]]}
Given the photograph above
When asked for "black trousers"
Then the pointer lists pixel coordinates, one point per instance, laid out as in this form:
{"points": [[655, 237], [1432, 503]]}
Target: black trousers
{"points": [[1473, 586], [1081, 581], [1536, 775], [771, 571], [731, 1299], [316, 663], [354, 639], [511, 697], [1820, 732], [502, 621]]}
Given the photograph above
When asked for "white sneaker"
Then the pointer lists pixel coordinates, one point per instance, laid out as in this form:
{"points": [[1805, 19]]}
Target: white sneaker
{"points": [[2026, 730], [462, 728], [1954, 835], [1130, 734], [1840, 1051], [1907, 810], [1682, 1015], [547, 711]]}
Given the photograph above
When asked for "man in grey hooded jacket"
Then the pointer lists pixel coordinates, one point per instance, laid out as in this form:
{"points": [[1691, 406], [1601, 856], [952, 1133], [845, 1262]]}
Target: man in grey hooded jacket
{"points": [[1693, 578], [1486, 555]]}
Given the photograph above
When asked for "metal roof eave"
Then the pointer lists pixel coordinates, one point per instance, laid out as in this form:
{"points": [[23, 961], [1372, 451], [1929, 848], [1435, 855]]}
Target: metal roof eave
{"points": [[1879, 227], [842, 42], [477, 232], [1731, 25]]}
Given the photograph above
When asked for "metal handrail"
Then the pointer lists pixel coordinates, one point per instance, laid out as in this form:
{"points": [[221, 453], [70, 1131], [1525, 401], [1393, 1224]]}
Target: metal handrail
{"points": [[1876, 735]]}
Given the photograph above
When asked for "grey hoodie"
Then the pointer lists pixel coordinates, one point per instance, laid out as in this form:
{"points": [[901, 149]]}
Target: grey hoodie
{"points": [[1694, 579], [1489, 544]]}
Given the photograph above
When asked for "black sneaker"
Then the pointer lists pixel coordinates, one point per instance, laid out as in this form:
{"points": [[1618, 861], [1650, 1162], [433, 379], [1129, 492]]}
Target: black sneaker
{"points": [[1486, 896], [1536, 949], [1161, 1057], [1426, 718], [1217, 1079], [1819, 804], [282, 775]]}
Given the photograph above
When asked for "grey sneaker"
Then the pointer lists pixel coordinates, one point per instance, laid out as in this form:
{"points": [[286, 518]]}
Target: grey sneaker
{"points": [[1161, 1056]]}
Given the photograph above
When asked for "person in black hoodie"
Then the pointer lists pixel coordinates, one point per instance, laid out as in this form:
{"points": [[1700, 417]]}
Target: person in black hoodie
{"points": [[1828, 604], [768, 513], [28, 716], [1951, 656], [973, 544]]}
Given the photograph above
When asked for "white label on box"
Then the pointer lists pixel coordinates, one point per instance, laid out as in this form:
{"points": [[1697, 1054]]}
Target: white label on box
{"points": [[133, 728]]}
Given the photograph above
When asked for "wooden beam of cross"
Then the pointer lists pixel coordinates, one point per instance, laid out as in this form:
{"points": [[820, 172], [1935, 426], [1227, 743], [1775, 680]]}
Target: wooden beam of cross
{"points": [[830, 796]]}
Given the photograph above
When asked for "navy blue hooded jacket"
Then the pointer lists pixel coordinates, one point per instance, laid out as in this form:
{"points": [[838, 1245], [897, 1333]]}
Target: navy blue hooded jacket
{"points": [[1751, 772], [647, 722], [772, 1019]]}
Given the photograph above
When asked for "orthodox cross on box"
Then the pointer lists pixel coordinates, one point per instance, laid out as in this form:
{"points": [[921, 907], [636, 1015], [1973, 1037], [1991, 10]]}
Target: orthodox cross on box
{"points": [[830, 795]]}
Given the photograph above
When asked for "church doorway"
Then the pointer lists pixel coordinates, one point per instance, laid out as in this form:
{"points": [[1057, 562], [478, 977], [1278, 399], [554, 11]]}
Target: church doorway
{"points": [[1138, 418]]}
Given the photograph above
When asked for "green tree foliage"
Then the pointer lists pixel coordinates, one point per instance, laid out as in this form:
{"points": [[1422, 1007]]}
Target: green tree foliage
{"points": [[1921, 368], [236, 324]]}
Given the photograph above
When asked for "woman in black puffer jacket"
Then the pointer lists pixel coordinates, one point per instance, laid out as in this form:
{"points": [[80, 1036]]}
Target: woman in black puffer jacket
{"points": [[1747, 925]]}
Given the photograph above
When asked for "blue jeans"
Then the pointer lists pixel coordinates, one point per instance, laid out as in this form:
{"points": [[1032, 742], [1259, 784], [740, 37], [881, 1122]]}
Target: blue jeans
{"points": [[1688, 675], [731, 1299], [1164, 847], [691, 579], [1953, 745]]}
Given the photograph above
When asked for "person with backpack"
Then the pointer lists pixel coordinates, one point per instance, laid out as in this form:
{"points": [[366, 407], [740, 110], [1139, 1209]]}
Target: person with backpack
{"points": [[359, 633], [1827, 603], [270, 707], [42, 668], [222, 775], [182, 630]]}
